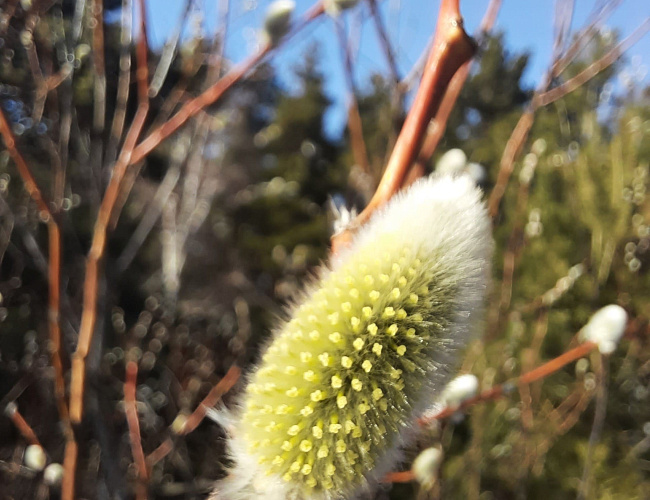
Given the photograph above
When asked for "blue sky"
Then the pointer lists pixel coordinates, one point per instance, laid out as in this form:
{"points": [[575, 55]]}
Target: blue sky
{"points": [[528, 26]]}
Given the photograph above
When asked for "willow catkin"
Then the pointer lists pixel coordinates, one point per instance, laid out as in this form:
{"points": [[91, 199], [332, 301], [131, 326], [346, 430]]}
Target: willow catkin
{"points": [[367, 348]]}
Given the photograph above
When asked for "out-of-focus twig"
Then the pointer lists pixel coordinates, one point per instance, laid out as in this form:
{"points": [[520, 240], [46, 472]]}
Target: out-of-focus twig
{"points": [[134, 428], [11, 410]]}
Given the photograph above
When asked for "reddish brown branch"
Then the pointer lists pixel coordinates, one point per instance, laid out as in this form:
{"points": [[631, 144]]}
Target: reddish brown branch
{"points": [[96, 253], [399, 477], [225, 384], [439, 122], [134, 428], [159, 453], [21, 424], [212, 94], [451, 49], [501, 390], [543, 97]]}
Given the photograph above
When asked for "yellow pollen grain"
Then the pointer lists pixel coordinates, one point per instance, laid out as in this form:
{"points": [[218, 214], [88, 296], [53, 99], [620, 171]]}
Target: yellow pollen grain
{"points": [[349, 426], [395, 374], [416, 317], [290, 370], [309, 376], [383, 405], [278, 460], [395, 293], [358, 343], [335, 428], [282, 410], [337, 382], [293, 430], [357, 385], [392, 330], [295, 467], [346, 307], [314, 335], [292, 393], [411, 272], [372, 329], [306, 469], [413, 298], [346, 362], [305, 357], [330, 469], [266, 410], [401, 350], [384, 278], [324, 359], [340, 446], [395, 267], [374, 295], [305, 445], [376, 348], [312, 318], [311, 482], [354, 293], [368, 280], [317, 432], [377, 394], [357, 432], [401, 314], [341, 401], [363, 408], [333, 318], [367, 312], [402, 281], [317, 395], [270, 386], [389, 312], [355, 323], [306, 411], [323, 451], [287, 446], [367, 365], [335, 337], [410, 332], [287, 477]]}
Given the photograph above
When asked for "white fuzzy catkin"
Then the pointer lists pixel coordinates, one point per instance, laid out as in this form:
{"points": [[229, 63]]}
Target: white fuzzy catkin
{"points": [[335, 7], [460, 390], [35, 457], [372, 342], [278, 20], [425, 466], [606, 327]]}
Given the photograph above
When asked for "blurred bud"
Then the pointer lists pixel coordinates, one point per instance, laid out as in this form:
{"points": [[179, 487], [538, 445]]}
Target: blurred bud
{"points": [[278, 20], [426, 465], [53, 474], [35, 457], [335, 7], [460, 390], [605, 328]]}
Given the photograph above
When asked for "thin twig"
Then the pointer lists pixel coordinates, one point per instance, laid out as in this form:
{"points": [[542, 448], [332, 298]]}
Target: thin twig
{"points": [[225, 384], [451, 49], [597, 427], [502, 390], [11, 410], [134, 428]]}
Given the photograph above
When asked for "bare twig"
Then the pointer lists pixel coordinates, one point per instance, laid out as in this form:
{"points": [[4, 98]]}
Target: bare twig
{"points": [[134, 428], [502, 390], [451, 49], [11, 410], [225, 384], [96, 253]]}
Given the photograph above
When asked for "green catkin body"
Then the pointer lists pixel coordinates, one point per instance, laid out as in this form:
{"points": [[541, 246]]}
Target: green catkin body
{"points": [[337, 390]]}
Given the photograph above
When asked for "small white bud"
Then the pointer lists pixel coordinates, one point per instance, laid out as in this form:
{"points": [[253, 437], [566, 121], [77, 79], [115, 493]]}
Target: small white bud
{"points": [[425, 466], [278, 20], [53, 474], [35, 457], [605, 328], [460, 390], [452, 162]]}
